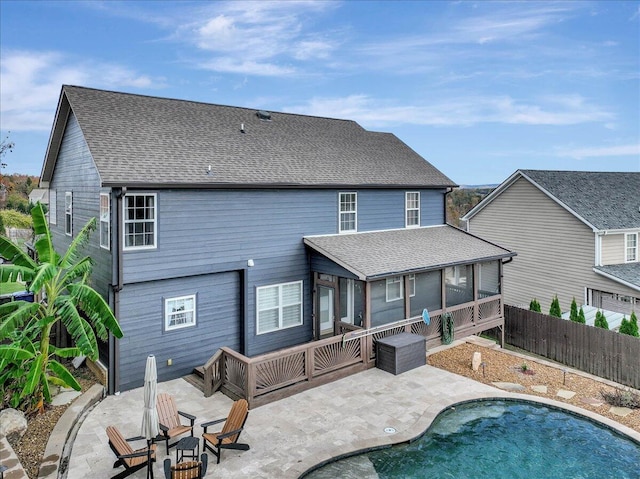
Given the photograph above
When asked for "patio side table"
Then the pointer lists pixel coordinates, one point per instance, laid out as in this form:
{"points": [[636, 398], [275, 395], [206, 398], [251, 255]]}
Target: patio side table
{"points": [[185, 444]]}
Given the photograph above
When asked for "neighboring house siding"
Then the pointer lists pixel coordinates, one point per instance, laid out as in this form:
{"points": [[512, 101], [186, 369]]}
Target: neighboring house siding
{"points": [[555, 250], [76, 172], [142, 320], [612, 247]]}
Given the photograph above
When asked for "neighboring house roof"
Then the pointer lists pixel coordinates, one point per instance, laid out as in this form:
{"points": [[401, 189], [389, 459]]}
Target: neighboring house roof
{"points": [[381, 254], [39, 194], [602, 200], [148, 141], [627, 273]]}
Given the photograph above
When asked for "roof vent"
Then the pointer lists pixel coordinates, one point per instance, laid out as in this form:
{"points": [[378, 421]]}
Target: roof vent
{"points": [[263, 115]]}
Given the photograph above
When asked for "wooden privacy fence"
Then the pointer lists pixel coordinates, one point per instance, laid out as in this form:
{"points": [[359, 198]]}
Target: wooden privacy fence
{"points": [[269, 377], [597, 351]]}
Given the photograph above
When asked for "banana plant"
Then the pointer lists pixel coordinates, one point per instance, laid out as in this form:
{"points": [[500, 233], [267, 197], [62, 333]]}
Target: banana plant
{"points": [[27, 358]]}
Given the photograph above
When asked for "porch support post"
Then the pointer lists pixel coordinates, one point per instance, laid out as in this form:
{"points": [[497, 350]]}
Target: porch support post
{"points": [[476, 282], [367, 342], [443, 289], [407, 301]]}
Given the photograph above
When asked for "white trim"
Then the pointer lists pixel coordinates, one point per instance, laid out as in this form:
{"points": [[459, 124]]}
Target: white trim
{"points": [[353, 212], [279, 306], [68, 213], [125, 222], [169, 315], [106, 221], [407, 209]]}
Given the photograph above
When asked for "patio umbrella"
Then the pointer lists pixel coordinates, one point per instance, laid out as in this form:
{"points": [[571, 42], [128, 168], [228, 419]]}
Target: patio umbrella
{"points": [[150, 414]]}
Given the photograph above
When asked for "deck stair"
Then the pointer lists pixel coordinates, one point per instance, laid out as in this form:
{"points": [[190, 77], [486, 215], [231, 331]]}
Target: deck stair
{"points": [[196, 378]]}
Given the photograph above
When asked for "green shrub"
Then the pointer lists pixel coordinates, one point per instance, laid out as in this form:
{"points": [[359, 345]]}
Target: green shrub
{"points": [[630, 326], [555, 310], [601, 321], [581, 318], [534, 305], [573, 316], [15, 219]]}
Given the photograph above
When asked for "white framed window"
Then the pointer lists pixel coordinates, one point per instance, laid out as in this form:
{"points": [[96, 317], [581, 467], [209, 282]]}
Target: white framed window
{"points": [[395, 289], [348, 212], [68, 213], [105, 221], [179, 312], [631, 247], [278, 307], [412, 285], [53, 205], [412, 209], [139, 221]]}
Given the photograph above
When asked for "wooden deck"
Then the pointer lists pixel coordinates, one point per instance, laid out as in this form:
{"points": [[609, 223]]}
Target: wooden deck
{"points": [[279, 374]]}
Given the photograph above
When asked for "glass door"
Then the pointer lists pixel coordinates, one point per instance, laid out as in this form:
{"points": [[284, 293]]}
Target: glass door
{"points": [[325, 308]]}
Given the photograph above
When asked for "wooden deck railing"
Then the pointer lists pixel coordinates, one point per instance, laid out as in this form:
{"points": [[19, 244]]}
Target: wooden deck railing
{"points": [[272, 376]]}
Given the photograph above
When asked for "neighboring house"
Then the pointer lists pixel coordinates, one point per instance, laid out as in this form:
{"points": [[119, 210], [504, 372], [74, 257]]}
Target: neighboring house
{"points": [[225, 226], [39, 194], [576, 234]]}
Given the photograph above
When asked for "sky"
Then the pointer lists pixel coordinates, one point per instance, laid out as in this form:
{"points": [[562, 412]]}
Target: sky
{"points": [[478, 88]]}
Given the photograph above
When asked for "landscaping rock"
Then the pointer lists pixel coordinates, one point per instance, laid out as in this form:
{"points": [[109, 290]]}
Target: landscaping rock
{"points": [[563, 393], [476, 360], [509, 386], [13, 424]]}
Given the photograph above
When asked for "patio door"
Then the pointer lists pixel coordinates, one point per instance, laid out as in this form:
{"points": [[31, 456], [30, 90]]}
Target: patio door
{"points": [[325, 310]]}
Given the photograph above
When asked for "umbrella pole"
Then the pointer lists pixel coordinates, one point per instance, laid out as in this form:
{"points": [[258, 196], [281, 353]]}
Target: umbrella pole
{"points": [[149, 465]]}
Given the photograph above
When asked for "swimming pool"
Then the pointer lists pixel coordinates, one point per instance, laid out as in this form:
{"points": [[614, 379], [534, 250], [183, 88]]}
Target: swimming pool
{"points": [[499, 439]]}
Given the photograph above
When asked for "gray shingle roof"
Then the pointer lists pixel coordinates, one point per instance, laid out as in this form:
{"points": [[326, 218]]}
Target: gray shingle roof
{"points": [[386, 253], [142, 140], [627, 273], [606, 200]]}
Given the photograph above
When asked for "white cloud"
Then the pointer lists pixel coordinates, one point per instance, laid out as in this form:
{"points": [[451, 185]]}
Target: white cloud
{"points": [[605, 151], [235, 36], [31, 82], [462, 111]]}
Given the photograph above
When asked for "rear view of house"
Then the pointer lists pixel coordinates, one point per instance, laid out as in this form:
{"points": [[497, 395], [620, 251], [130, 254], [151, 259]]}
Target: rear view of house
{"points": [[576, 234], [256, 231]]}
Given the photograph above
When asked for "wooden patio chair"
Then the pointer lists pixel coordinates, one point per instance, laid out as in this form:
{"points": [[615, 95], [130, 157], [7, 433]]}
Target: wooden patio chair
{"points": [[228, 437], [186, 470], [169, 418], [131, 459]]}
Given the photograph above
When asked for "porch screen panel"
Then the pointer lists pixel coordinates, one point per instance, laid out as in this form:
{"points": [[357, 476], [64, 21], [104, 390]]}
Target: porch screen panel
{"points": [[458, 284], [428, 292], [489, 281], [383, 311]]}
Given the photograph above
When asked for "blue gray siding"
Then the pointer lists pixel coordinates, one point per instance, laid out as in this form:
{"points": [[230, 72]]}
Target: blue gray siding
{"points": [[218, 323], [76, 172]]}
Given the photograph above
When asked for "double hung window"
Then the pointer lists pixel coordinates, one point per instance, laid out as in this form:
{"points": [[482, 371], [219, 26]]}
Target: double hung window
{"points": [[348, 212], [139, 221], [105, 221], [68, 213], [179, 312], [279, 306], [631, 247], [412, 208]]}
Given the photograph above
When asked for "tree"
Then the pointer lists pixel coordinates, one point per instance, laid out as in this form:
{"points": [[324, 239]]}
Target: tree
{"points": [[601, 321], [534, 305], [26, 355], [630, 326], [581, 318], [555, 310], [573, 315]]}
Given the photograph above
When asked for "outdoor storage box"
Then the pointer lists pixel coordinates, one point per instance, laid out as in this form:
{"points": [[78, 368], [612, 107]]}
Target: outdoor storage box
{"points": [[401, 352]]}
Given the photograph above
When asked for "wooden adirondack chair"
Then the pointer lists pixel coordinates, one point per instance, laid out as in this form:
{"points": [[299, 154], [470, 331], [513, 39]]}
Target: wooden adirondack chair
{"points": [[131, 459], [228, 437], [169, 419], [186, 470]]}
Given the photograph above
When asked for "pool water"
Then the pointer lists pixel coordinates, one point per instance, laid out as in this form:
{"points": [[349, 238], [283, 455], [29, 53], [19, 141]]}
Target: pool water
{"points": [[500, 440]]}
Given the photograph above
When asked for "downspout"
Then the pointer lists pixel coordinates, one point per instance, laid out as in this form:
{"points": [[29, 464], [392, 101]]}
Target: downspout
{"points": [[446, 193], [114, 346]]}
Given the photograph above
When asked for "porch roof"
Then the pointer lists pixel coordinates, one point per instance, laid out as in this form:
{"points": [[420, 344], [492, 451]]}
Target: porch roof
{"points": [[379, 254]]}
